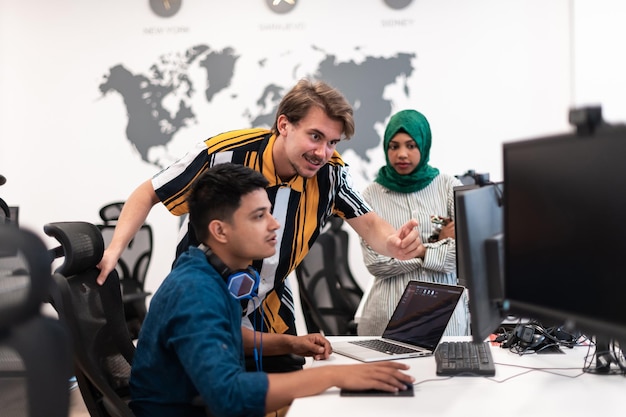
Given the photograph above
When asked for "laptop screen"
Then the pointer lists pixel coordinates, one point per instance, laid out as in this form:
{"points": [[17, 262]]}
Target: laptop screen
{"points": [[422, 313]]}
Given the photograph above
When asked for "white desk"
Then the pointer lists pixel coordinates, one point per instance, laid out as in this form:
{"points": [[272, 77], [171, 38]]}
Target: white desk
{"points": [[562, 389]]}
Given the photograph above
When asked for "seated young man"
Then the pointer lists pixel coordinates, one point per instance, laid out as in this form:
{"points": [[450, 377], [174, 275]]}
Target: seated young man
{"points": [[191, 344]]}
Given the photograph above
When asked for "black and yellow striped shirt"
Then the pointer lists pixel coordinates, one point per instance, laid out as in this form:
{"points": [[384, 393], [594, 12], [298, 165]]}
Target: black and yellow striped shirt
{"points": [[301, 205]]}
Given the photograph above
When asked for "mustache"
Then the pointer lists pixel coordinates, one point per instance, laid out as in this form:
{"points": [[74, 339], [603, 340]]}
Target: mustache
{"points": [[313, 158]]}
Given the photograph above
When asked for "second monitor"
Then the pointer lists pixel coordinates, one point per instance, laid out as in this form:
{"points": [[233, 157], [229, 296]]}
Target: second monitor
{"points": [[479, 251]]}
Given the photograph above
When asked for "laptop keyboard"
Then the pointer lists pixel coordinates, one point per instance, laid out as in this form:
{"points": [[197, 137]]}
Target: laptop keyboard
{"points": [[464, 358], [385, 347]]}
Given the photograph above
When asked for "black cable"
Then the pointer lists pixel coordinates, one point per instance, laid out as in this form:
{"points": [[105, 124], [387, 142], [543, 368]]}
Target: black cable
{"points": [[498, 189], [618, 352], [599, 362], [512, 341]]}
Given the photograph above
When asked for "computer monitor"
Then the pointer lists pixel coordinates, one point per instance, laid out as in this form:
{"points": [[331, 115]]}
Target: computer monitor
{"points": [[479, 254], [565, 230]]}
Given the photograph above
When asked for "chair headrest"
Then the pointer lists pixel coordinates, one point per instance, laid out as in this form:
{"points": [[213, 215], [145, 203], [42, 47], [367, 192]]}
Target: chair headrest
{"points": [[25, 277], [111, 212], [335, 223], [82, 245]]}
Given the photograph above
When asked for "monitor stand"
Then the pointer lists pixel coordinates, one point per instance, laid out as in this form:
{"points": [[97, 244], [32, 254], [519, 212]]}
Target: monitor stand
{"points": [[604, 357]]}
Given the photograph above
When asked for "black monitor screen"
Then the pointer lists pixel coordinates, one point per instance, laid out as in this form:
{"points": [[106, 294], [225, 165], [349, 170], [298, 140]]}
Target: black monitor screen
{"points": [[565, 230], [478, 228]]}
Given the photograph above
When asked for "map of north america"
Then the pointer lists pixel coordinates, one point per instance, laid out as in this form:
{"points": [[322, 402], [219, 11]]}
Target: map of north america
{"points": [[173, 78]]}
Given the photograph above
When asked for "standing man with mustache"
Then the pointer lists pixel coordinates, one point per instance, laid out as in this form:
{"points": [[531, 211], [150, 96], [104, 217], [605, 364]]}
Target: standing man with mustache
{"points": [[308, 183]]}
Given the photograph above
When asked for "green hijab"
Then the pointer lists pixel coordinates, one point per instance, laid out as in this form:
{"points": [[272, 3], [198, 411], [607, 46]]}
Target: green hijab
{"points": [[415, 125]]}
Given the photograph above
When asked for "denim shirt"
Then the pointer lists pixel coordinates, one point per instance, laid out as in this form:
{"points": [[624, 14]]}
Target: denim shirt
{"points": [[190, 344]]}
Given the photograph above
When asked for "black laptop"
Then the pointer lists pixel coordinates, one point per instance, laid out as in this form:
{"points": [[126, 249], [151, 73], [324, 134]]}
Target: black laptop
{"points": [[415, 328]]}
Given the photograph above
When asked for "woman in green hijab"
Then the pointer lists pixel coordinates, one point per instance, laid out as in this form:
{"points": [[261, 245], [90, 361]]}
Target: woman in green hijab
{"points": [[408, 187]]}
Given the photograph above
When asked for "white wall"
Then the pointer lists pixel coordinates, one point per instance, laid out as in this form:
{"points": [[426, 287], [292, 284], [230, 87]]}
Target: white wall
{"points": [[599, 62], [485, 72]]}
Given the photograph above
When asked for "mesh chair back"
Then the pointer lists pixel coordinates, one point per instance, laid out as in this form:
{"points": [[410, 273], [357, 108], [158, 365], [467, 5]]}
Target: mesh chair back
{"points": [[33, 381], [132, 267], [350, 287], [328, 292], [103, 348]]}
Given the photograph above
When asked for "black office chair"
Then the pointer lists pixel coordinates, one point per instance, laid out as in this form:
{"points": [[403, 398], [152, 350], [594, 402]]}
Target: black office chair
{"points": [[350, 287], [35, 350], [329, 294], [132, 266], [103, 347], [8, 214], [5, 212]]}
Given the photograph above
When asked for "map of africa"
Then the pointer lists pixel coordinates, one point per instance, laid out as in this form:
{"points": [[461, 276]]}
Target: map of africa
{"points": [[152, 124]]}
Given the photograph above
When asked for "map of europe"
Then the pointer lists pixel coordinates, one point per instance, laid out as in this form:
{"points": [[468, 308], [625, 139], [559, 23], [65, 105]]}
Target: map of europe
{"points": [[174, 77]]}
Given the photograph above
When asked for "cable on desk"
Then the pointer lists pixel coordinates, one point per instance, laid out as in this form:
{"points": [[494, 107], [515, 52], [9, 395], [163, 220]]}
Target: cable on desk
{"points": [[606, 359], [445, 378], [533, 337], [527, 368], [546, 370]]}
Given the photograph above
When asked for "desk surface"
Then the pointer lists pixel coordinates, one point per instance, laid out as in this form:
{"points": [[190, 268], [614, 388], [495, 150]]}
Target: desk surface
{"points": [[531, 385]]}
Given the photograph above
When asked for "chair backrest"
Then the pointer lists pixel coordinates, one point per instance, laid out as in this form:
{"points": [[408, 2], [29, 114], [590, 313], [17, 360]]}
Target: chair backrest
{"points": [[103, 348], [35, 350], [135, 260], [329, 294], [5, 212], [351, 288], [132, 266], [8, 216]]}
